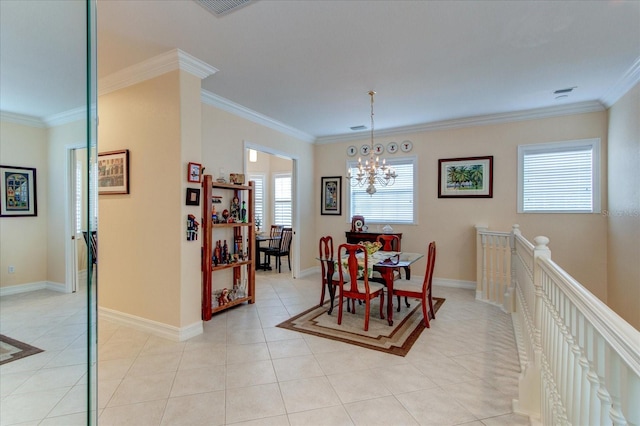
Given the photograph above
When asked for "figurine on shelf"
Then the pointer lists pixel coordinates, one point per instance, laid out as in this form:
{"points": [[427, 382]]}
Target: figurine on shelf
{"points": [[217, 252], [225, 252], [223, 299], [214, 215], [235, 209], [225, 215], [243, 212]]}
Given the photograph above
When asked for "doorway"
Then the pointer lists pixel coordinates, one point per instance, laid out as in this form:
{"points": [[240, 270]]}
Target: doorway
{"points": [[276, 195]]}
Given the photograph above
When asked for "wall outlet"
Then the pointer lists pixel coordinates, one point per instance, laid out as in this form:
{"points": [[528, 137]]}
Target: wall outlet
{"points": [[12, 269]]}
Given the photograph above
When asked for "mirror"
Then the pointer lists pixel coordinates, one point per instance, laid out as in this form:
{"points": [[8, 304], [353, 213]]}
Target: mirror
{"points": [[48, 125]]}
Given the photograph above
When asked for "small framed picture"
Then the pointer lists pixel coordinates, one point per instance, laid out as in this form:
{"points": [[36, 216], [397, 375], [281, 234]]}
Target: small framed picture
{"points": [[18, 195], [470, 177], [193, 172], [113, 172], [236, 178], [331, 196], [193, 197]]}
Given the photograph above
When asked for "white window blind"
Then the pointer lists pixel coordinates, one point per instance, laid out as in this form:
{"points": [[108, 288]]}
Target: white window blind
{"points": [[78, 201], [559, 177], [258, 196], [282, 199], [390, 204]]}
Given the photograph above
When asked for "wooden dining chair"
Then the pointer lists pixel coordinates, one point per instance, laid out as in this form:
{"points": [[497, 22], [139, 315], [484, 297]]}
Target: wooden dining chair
{"points": [[325, 249], [283, 249], [275, 232], [354, 288], [422, 291]]}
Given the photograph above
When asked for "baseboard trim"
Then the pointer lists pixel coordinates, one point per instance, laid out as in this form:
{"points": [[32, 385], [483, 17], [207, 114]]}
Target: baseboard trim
{"points": [[156, 328], [39, 285], [446, 282]]}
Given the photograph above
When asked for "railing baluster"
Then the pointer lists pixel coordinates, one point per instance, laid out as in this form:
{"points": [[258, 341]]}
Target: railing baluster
{"points": [[577, 353]]}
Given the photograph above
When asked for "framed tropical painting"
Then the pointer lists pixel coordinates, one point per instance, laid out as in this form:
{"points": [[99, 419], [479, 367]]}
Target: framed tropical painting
{"points": [[470, 177]]}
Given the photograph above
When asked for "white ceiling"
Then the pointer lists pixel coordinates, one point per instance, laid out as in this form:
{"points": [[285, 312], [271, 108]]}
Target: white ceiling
{"points": [[310, 64]]}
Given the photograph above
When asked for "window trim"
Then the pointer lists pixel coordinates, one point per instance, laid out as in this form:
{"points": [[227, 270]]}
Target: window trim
{"points": [[262, 177], [352, 163], [548, 147]]}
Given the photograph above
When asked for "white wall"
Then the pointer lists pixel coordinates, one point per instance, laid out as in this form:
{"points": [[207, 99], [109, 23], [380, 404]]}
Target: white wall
{"points": [[24, 239], [623, 212]]}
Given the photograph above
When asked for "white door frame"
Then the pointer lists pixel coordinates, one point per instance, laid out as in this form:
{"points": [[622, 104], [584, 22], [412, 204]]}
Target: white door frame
{"points": [[70, 241]]}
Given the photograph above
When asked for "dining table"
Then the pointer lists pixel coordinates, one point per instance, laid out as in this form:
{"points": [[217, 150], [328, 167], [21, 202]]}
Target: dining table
{"points": [[259, 240], [384, 262]]}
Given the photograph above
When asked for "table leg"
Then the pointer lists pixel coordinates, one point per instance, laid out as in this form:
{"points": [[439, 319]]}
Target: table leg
{"points": [[388, 279], [332, 289]]}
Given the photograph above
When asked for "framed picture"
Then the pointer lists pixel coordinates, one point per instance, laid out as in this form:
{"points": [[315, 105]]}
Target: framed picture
{"points": [[113, 172], [236, 178], [470, 177], [331, 195], [193, 197], [18, 191], [194, 171]]}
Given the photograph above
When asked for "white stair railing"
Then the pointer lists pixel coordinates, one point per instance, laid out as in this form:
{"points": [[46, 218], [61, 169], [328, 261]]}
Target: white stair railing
{"points": [[494, 273], [580, 361]]}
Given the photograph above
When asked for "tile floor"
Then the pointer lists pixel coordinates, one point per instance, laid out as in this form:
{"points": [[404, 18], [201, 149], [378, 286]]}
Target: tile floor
{"points": [[244, 370]]}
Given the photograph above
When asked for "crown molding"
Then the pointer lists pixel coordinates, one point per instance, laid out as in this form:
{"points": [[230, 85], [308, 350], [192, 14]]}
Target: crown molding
{"points": [[481, 120], [65, 117], [622, 86], [25, 120], [236, 109], [158, 65]]}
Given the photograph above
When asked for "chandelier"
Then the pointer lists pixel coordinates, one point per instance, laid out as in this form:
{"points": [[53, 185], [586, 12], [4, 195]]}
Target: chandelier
{"points": [[372, 172]]}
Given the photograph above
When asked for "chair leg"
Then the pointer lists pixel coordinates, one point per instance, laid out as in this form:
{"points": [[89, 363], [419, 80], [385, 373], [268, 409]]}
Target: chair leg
{"points": [[382, 305], [322, 294], [424, 313], [367, 311], [289, 260], [406, 301], [340, 308], [431, 310]]}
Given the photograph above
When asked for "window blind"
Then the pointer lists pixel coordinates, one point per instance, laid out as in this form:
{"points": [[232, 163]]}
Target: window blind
{"points": [[558, 178], [390, 204], [282, 199], [258, 197]]}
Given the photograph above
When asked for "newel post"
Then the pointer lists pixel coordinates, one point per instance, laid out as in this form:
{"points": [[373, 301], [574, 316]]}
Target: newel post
{"points": [[509, 304], [541, 249], [481, 262]]}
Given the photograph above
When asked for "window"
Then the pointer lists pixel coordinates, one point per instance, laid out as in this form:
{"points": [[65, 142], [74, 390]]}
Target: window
{"points": [[282, 199], [559, 177], [390, 204], [78, 201], [258, 196]]}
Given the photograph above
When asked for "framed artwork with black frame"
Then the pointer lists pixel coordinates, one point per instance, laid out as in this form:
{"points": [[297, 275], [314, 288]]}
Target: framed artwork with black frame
{"points": [[18, 196], [331, 195], [470, 177], [113, 172], [193, 197]]}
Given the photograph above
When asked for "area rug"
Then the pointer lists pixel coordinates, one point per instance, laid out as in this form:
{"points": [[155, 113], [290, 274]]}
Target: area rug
{"points": [[11, 350], [396, 340]]}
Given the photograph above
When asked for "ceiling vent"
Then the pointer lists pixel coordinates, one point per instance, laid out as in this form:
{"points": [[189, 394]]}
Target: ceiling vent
{"points": [[563, 91], [356, 128], [222, 7]]}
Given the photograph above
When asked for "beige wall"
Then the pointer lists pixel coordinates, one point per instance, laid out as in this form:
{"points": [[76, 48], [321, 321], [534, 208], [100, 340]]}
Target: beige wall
{"points": [[269, 165], [576, 239], [623, 212], [223, 135], [140, 233], [24, 239]]}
